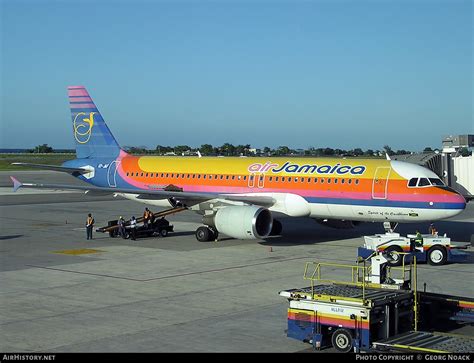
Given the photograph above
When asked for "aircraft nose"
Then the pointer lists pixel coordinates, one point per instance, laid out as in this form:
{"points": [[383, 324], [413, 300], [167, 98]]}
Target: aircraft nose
{"points": [[458, 203], [461, 201]]}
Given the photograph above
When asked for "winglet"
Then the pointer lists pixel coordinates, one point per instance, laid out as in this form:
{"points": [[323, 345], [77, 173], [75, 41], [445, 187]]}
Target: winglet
{"points": [[387, 156], [16, 183]]}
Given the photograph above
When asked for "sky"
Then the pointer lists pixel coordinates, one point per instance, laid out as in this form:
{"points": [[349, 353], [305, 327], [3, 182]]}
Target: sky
{"points": [[340, 74]]}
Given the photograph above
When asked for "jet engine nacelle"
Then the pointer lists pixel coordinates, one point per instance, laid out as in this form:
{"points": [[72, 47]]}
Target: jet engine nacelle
{"points": [[242, 222], [337, 223]]}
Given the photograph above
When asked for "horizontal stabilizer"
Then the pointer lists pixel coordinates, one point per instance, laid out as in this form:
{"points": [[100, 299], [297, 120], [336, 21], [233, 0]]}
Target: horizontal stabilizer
{"points": [[63, 169], [16, 184]]}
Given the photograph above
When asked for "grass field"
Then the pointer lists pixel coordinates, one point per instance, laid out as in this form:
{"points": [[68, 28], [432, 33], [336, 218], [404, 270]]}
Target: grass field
{"points": [[49, 159]]}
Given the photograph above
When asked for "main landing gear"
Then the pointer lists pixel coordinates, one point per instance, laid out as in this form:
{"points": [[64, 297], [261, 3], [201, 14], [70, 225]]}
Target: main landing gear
{"points": [[206, 234]]}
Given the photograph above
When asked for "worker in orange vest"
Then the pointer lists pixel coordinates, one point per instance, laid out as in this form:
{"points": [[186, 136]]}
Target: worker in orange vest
{"points": [[146, 217]]}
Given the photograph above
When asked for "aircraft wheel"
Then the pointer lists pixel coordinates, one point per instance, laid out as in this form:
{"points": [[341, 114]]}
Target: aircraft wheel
{"points": [[203, 234], [437, 256], [214, 234]]}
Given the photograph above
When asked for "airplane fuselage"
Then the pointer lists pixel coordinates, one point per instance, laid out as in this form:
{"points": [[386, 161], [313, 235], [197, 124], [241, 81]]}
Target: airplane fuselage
{"points": [[348, 189]]}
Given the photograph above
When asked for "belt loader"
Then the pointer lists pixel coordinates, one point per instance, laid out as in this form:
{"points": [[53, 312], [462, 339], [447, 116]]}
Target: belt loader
{"points": [[375, 311]]}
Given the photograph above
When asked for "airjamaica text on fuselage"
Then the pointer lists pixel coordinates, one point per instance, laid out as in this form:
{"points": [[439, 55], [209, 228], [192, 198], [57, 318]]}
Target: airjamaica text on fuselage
{"points": [[289, 167]]}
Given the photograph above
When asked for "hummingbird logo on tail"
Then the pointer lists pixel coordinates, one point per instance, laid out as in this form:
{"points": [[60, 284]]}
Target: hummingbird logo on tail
{"points": [[83, 127]]}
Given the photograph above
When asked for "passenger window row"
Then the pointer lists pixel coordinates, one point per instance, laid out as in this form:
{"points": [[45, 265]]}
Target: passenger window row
{"points": [[188, 176], [314, 180], [244, 177]]}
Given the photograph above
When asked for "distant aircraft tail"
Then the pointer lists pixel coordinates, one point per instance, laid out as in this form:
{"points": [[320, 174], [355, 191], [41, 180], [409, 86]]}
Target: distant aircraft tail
{"points": [[92, 136]]}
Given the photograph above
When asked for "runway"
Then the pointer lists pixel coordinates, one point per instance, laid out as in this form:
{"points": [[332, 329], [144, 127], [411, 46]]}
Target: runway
{"points": [[170, 294]]}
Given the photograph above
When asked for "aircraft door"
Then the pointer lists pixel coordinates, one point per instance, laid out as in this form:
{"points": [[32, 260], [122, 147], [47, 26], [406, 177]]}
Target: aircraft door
{"points": [[256, 180], [112, 173], [261, 180], [380, 183], [251, 182]]}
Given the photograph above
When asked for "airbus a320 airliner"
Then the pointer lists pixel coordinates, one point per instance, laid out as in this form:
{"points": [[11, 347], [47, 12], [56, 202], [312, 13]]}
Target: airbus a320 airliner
{"points": [[237, 196]]}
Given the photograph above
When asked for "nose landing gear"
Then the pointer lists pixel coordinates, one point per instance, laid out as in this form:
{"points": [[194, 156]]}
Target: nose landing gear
{"points": [[390, 226]]}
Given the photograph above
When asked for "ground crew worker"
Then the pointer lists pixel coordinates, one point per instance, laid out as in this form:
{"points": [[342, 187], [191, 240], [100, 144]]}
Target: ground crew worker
{"points": [[121, 224], [433, 230], [133, 228], [146, 217], [418, 239], [151, 218], [89, 225]]}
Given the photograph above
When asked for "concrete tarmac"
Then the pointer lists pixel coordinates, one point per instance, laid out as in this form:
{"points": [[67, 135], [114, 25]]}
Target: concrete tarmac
{"points": [[171, 294]]}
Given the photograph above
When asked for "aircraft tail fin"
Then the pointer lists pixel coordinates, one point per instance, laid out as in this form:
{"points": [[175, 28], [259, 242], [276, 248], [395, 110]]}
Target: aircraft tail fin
{"points": [[92, 136]]}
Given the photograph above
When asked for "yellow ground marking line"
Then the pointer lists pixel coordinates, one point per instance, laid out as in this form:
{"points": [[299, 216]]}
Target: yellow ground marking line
{"points": [[83, 251]]}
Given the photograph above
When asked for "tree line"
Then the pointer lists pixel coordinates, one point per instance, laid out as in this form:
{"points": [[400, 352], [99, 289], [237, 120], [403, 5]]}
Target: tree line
{"points": [[228, 149]]}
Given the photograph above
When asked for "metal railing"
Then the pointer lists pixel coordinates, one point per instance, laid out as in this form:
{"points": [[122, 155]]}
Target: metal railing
{"points": [[360, 276], [313, 273]]}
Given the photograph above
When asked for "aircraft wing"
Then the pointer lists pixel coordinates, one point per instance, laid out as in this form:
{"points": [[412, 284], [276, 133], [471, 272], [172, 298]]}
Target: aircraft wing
{"points": [[64, 169], [187, 198]]}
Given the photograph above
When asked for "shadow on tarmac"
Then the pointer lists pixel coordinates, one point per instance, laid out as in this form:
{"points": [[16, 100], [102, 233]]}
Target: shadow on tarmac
{"points": [[298, 231], [3, 238]]}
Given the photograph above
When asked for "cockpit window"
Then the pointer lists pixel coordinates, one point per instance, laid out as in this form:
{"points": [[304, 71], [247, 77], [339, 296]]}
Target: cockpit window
{"points": [[412, 182], [436, 181], [423, 182]]}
